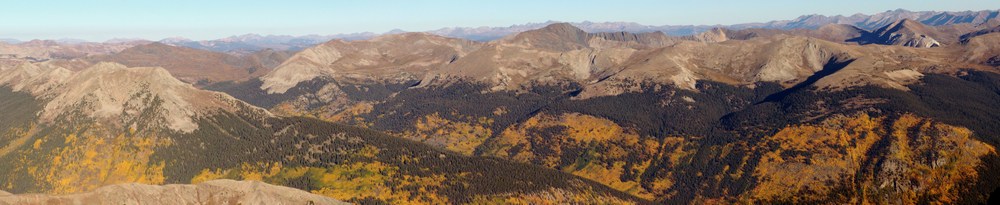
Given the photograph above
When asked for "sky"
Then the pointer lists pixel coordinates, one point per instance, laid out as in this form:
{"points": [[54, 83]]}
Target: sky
{"points": [[99, 20]]}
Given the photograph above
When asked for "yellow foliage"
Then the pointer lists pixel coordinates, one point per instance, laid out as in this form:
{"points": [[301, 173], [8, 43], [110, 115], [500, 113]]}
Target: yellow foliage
{"points": [[351, 113], [208, 175], [368, 151], [611, 177], [38, 144], [93, 160], [341, 111], [357, 181], [21, 136], [838, 146], [579, 131], [586, 128], [462, 137], [259, 171], [344, 182]]}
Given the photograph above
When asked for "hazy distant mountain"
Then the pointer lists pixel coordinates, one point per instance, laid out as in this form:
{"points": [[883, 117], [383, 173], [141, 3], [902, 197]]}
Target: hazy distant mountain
{"points": [[248, 43], [867, 22], [50, 49], [10, 40], [195, 66]]}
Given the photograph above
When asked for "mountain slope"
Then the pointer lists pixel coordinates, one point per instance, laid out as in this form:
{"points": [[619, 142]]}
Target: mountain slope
{"points": [[718, 119], [413, 54], [986, 29], [111, 124], [904, 33], [110, 91], [558, 53], [251, 43], [41, 50], [831, 32], [192, 65]]}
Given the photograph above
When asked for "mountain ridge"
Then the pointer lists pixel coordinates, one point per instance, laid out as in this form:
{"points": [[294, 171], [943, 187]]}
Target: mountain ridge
{"points": [[104, 90], [248, 43]]}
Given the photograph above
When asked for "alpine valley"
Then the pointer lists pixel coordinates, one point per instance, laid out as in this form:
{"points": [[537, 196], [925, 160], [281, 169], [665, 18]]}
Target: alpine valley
{"points": [[898, 107]]}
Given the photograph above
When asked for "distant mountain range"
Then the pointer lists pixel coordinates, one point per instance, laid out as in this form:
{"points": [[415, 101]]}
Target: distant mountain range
{"points": [[249, 43], [867, 22]]}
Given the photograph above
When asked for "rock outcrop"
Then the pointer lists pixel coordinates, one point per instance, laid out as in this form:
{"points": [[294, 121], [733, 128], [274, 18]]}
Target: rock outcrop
{"points": [[210, 192]]}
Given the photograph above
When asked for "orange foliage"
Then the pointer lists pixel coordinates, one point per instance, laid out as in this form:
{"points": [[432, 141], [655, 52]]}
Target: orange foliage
{"points": [[818, 158], [462, 137], [92, 160], [578, 131]]}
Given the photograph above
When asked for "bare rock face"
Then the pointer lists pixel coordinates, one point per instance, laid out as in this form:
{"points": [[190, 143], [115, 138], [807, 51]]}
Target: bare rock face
{"points": [[626, 39], [903, 33], [210, 192], [713, 36]]}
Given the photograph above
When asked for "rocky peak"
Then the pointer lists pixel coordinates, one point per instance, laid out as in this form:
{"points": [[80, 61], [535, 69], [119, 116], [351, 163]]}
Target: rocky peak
{"points": [[903, 25], [556, 37], [33, 78], [392, 58], [712, 36], [903, 32], [650, 39], [116, 94]]}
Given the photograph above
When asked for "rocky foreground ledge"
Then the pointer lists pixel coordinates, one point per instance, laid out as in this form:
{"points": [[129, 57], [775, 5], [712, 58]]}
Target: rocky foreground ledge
{"points": [[211, 192]]}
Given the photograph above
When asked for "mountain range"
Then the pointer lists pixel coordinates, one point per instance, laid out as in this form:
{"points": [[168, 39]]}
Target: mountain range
{"points": [[896, 107], [248, 43]]}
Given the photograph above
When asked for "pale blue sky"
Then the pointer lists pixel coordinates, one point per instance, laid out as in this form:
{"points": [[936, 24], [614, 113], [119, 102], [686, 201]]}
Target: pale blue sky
{"points": [[203, 19]]}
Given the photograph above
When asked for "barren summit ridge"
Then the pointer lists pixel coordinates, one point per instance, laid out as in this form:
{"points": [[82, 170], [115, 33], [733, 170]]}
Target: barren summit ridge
{"points": [[113, 91], [396, 57]]}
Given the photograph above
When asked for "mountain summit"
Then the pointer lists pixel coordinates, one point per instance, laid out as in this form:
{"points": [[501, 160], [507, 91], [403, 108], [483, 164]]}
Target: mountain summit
{"points": [[117, 94], [904, 32]]}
